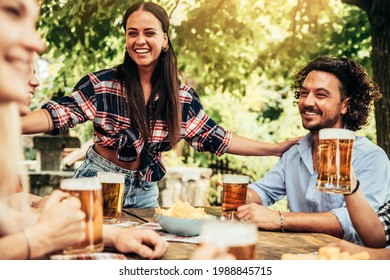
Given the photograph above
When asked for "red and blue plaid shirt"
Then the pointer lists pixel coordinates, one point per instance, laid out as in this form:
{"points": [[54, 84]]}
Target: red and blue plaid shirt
{"points": [[96, 98]]}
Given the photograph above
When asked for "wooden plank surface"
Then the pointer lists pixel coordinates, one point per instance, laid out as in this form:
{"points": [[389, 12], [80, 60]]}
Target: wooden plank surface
{"points": [[270, 245]]}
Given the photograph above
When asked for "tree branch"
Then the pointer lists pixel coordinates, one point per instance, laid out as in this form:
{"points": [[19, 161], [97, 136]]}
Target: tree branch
{"points": [[174, 8]]}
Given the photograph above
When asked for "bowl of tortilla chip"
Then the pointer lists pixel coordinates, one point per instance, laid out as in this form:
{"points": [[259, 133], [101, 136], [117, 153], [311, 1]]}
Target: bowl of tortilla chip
{"points": [[182, 219]]}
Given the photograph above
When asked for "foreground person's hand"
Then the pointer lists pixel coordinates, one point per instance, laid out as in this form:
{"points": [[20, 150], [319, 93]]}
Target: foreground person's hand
{"points": [[375, 253], [143, 242], [346, 246], [60, 225]]}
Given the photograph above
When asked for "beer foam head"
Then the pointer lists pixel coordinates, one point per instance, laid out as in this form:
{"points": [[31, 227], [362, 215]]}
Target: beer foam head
{"points": [[75, 184], [111, 177], [235, 179], [228, 233], [336, 133]]}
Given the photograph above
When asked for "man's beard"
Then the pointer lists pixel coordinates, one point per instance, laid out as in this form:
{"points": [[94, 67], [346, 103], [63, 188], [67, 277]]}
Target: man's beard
{"points": [[318, 126]]}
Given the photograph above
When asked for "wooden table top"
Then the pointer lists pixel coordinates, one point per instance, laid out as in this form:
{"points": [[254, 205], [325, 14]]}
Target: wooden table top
{"points": [[270, 244]]}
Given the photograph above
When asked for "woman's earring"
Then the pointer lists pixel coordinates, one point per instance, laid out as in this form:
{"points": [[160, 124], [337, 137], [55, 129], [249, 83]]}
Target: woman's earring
{"points": [[166, 48]]}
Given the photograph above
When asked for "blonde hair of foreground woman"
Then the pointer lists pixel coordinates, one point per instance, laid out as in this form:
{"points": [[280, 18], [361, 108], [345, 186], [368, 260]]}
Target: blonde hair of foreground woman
{"points": [[12, 171], [29, 234]]}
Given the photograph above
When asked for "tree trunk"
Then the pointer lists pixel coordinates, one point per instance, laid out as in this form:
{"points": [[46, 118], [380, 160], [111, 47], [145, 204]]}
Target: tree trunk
{"points": [[379, 15], [378, 12]]}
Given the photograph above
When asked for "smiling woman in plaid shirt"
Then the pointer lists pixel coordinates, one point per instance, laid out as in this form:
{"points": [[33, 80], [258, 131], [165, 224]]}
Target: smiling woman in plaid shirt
{"points": [[140, 109]]}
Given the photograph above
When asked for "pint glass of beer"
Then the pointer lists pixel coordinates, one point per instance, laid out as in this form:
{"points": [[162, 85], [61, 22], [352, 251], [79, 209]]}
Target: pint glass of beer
{"points": [[334, 160], [113, 188], [236, 238], [234, 194], [89, 191]]}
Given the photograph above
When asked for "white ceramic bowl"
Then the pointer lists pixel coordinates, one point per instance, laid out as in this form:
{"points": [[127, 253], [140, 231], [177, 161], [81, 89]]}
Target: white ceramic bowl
{"points": [[181, 226]]}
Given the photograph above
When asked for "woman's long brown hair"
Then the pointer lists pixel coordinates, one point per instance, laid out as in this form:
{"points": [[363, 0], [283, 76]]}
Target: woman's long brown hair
{"points": [[165, 81]]}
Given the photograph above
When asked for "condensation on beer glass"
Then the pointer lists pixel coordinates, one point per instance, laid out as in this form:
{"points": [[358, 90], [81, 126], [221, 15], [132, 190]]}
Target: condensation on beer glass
{"points": [[334, 160], [233, 194], [89, 191], [236, 238], [113, 191]]}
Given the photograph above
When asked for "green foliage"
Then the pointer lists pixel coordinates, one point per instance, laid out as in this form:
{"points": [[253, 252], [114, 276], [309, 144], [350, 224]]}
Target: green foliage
{"points": [[215, 192], [29, 154], [214, 42], [82, 37]]}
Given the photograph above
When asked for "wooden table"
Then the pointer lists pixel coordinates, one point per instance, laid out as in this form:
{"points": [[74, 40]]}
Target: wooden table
{"points": [[270, 244]]}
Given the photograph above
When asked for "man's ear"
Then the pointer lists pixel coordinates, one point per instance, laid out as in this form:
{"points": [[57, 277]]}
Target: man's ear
{"points": [[345, 106]]}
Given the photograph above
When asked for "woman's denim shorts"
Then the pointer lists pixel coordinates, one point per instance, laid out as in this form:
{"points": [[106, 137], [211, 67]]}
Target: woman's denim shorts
{"points": [[138, 194]]}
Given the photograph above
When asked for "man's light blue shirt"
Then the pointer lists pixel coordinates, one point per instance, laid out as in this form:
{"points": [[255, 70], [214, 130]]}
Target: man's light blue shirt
{"points": [[294, 176]]}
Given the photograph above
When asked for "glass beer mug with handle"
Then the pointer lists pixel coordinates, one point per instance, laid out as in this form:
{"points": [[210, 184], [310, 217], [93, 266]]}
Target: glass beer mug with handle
{"points": [[233, 237], [89, 191], [113, 190], [234, 194], [334, 160]]}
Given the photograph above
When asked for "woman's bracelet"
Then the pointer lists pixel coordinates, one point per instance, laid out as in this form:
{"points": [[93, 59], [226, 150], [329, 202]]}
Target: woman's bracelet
{"points": [[356, 188], [281, 221], [28, 244]]}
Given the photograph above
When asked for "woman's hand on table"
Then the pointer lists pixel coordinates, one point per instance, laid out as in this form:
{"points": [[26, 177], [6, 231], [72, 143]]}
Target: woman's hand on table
{"points": [[144, 242]]}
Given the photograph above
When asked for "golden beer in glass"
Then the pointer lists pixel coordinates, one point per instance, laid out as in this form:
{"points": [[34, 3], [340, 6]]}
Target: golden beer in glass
{"points": [[89, 191], [233, 237], [113, 189], [234, 194], [334, 160]]}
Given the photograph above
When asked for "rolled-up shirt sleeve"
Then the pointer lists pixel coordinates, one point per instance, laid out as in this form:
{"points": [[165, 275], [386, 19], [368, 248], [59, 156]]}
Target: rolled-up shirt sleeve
{"points": [[350, 233], [271, 187], [200, 131], [74, 109]]}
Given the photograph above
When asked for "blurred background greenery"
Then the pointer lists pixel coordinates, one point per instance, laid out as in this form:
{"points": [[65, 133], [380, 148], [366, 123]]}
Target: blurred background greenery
{"points": [[239, 55]]}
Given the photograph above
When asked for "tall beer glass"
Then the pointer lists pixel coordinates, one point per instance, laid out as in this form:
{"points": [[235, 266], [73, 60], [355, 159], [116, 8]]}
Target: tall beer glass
{"points": [[334, 160], [236, 238], [234, 194], [89, 191], [113, 188]]}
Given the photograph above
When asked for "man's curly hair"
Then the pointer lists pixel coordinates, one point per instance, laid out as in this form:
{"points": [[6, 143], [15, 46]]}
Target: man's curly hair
{"points": [[356, 85]]}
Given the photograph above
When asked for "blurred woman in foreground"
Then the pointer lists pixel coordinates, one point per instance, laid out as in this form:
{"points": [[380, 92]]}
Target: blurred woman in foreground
{"points": [[27, 233], [23, 233]]}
